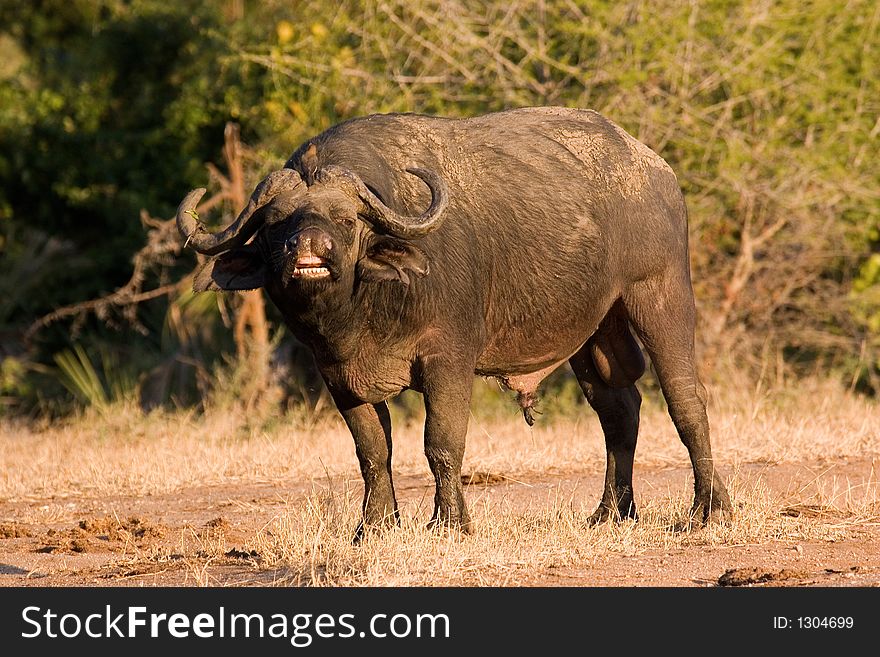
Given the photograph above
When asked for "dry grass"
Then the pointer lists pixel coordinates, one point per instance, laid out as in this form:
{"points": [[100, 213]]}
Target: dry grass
{"points": [[308, 542], [310, 545], [123, 452]]}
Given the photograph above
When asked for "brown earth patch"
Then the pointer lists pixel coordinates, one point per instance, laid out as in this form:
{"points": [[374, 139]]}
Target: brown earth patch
{"points": [[215, 528], [750, 576], [235, 553], [482, 479], [100, 535], [71, 540], [813, 511], [113, 529], [14, 530]]}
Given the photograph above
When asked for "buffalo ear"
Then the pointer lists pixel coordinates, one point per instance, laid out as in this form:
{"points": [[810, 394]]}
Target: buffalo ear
{"points": [[238, 269], [391, 259], [309, 164]]}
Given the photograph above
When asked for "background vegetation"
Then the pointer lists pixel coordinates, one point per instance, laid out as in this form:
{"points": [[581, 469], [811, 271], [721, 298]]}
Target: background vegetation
{"points": [[769, 111]]}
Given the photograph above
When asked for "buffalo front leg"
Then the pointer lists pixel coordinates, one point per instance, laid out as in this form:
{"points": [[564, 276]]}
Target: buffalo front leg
{"points": [[370, 425], [663, 314], [618, 411], [447, 407]]}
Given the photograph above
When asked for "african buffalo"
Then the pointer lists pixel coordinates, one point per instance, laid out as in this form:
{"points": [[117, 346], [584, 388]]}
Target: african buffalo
{"points": [[412, 251]]}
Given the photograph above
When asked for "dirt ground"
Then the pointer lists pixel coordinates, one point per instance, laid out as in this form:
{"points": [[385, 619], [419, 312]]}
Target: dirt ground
{"points": [[200, 536]]}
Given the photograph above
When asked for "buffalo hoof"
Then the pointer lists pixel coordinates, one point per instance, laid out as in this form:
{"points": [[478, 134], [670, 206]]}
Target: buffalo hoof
{"points": [[460, 523], [605, 513], [366, 528], [704, 513]]}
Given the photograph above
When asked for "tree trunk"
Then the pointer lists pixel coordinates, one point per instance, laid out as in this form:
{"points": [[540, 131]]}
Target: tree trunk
{"points": [[251, 330]]}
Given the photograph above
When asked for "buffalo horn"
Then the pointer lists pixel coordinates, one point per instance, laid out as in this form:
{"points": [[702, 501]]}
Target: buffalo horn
{"points": [[381, 216], [248, 222]]}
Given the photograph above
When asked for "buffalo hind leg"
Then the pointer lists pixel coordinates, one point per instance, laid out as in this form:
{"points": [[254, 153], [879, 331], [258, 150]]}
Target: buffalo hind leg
{"points": [[447, 393], [370, 425], [618, 411], [663, 315]]}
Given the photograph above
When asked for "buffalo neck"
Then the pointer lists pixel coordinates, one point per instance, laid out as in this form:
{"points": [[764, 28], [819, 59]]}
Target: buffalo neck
{"points": [[340, 326]]}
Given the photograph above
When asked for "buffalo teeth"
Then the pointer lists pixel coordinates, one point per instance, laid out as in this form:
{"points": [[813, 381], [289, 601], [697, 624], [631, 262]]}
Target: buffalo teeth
{"points": [[311, 272]]}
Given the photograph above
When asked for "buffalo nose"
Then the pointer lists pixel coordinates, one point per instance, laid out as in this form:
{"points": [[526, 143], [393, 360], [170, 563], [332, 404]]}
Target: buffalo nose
{"points": [[310, 240]]}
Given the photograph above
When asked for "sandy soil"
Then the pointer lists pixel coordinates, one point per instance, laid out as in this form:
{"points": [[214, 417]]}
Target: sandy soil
{"points": [[198, 536]]}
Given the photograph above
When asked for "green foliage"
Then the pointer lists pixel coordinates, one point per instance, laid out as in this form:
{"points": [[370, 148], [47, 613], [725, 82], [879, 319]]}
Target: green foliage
{"points": [[14, 382], [115, 110], [866, 293], [767, 112], [78, 374]]}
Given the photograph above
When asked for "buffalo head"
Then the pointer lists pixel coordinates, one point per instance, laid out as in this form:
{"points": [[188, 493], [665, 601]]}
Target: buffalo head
{"points": [[326, 232]]}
